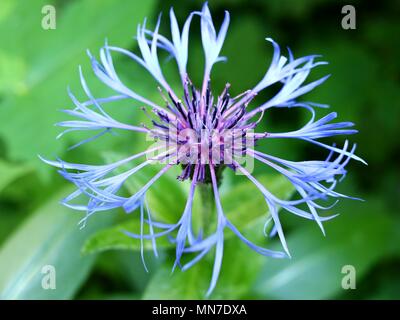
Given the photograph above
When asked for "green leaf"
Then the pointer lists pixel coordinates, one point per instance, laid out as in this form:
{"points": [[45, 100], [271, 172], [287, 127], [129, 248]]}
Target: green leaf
{"points": [[51, 236], [245, 208], [165, 207], [191, 284], [242, 205], [115, 239], [388, 285], [46, 62], [166, 197], [355, 238], [10, 172], [240, 267], [126, 267]]}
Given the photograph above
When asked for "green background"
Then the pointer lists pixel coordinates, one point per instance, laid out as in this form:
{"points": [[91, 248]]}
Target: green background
{"points": [[99, 262]]}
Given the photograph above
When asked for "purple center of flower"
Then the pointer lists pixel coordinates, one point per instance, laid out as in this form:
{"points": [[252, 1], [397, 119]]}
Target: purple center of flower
{"points": [[201, 130]]}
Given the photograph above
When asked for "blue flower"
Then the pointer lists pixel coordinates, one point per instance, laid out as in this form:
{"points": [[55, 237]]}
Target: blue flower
{"points": [[202, 134]]}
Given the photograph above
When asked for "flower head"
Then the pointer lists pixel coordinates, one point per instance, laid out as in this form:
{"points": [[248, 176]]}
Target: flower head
{"points": [[204, 133]]}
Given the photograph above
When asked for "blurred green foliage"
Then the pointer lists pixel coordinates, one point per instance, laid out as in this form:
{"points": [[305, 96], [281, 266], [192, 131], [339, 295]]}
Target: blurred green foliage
{"points": [[37, 65]]}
